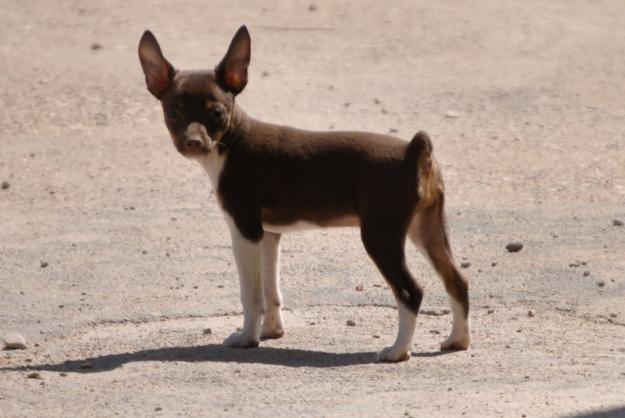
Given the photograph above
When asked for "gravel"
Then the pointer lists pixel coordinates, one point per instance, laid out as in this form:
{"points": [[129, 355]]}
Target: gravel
{"points": [[14, 341], [514, 247]]}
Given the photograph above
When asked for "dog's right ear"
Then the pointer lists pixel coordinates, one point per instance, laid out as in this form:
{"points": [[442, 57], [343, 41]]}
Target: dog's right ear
{"points": [[159, 73]]}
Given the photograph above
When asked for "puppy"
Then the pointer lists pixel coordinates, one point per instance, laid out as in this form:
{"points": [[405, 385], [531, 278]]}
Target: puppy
{"points": [[272, 179]]}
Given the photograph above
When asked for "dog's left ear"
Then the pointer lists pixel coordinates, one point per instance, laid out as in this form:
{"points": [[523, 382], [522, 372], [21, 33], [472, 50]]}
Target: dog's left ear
{"points": [[231, 72], [159, 73]]}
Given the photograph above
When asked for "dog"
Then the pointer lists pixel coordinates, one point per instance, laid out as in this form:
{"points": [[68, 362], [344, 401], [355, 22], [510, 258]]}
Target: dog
{"points": [[272, 179]]}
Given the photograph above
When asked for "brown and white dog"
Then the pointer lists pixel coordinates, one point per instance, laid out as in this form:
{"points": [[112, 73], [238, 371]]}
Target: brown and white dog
{"points": [[272, 179]]}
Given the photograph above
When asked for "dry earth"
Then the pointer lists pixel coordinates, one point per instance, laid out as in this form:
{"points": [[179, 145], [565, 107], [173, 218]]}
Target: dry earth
{"points": [[139, 263]]}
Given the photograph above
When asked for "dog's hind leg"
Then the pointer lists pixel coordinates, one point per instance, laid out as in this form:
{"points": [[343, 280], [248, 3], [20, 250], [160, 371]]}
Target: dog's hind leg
{"points": [[428, 233], [385, 246], [270, 273]]}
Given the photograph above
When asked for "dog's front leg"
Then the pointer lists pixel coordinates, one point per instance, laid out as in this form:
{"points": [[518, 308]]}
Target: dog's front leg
{"points": [[247, 257], [272, 322]]}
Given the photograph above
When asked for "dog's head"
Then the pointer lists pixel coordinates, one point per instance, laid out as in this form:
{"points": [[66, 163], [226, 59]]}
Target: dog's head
{"points": [[198, 105]]}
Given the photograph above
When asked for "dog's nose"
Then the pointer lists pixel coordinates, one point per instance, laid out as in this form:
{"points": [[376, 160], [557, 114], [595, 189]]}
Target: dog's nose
{"points": [[194, 144]]}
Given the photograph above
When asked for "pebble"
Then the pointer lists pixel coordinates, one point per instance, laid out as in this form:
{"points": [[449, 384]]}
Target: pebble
{"points": [[615, 222], [586, 273], [601, 283], [5, 185], [393, 130], [493, 264], [360, 287], [613, 315], [158, 408], [95, 46], [62, 374], [514, 247], [490, 311], [207, 331], [350, 323], [465, 264], [14, 341], [376, 100], [451, 114], [265, 74], [44, 264], [34, 375], [530, 314], [312, 7]]}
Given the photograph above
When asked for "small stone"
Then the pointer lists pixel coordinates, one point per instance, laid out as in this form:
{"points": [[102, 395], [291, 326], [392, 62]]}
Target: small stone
{"points": [[490, 311], [393, 130], [600, 283], [34, 375], [376, 101], [44, 264], [586, 273], [62, 374], [375, 336], [514, 247], [360, 288], [493, 264], [5, 185], [207, 331], [350, 323], [615, 222], [265, 74], [465, 264], [14, 341], [530, 314], [312, 7], [95, 46], [346, 104], [451, 114], [158, 408], [144, 252], [613, 315]]}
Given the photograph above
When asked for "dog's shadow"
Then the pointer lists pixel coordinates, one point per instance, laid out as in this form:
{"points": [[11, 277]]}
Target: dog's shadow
{"points": [[288, 357]]}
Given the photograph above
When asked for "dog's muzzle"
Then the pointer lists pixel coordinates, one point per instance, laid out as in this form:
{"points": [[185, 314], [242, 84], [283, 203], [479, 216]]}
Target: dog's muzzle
{"points": [[196, 140]]}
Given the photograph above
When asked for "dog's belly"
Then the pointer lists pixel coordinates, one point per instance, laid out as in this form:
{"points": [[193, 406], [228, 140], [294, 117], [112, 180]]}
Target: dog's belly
{"points": [[307, 225]]}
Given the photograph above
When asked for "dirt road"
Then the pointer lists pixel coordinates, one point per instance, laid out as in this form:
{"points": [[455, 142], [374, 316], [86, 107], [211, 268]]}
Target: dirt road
{"points": [[525, 103]]}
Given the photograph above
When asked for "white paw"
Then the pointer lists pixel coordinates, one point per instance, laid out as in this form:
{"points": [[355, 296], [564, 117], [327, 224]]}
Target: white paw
{"points": [[394, 354], [456, 343], [241, 340], [271, 331]]}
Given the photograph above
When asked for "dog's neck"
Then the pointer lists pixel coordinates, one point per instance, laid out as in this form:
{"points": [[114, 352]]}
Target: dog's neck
{"points": [[238, 129]]}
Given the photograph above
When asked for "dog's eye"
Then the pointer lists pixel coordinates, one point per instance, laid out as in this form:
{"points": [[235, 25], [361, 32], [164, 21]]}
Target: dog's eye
{"points": [[216, 112], [172, 113]]}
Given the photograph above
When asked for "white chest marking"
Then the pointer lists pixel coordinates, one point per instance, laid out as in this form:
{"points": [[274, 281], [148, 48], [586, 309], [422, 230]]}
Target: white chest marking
{"points": [[213, 163]]}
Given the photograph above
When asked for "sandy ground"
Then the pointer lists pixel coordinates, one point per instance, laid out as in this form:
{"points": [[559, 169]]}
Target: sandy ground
{"points": [[139, 260]]}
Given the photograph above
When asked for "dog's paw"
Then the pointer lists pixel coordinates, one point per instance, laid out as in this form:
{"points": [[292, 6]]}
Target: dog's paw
{"points": [[241, 340], [271, 332], [394, 354], [456, 343]]}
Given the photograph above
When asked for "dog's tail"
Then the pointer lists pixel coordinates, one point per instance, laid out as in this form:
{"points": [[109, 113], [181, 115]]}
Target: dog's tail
{"points": [[428, 178]]}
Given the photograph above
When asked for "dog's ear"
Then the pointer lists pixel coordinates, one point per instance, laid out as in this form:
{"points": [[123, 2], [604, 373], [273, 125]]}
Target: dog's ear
{"points": [[231, 72], [159, 73]]}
